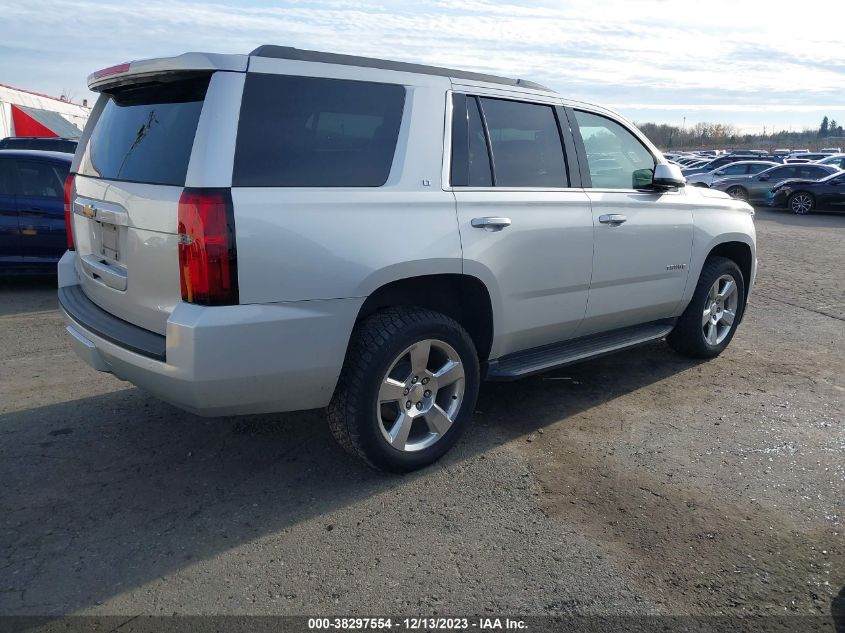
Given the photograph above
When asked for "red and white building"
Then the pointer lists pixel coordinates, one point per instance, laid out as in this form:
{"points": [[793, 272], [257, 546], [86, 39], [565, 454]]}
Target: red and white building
{"points": [[26, 113]]}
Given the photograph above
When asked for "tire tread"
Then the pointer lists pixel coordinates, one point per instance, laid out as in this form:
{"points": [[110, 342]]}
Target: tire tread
{"points": [[369, 337]]}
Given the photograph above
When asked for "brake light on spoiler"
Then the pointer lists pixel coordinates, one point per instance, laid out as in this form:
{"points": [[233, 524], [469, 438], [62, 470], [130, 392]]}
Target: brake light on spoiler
{"points": [[111, 70], [208, 272]]}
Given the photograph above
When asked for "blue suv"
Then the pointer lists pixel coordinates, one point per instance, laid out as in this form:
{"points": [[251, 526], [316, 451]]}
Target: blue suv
{"points": [[32, 217]]}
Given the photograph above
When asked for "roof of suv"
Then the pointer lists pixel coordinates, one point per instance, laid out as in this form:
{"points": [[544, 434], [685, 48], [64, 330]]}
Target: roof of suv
{"points": [[36, 153], [298, 54], [141, 69]]}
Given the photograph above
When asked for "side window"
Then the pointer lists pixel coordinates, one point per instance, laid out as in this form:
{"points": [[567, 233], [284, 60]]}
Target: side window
{"points": [[814, 173], [735, 169], [756, 169], [479, 155], [783, 172], [316, 132], [470, 156], [40, 179], [8, 181], [617, 159], [526, 144]]}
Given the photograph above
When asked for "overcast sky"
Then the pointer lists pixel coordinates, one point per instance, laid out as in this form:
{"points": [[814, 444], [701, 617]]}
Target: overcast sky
{"points": [[744, 62]]}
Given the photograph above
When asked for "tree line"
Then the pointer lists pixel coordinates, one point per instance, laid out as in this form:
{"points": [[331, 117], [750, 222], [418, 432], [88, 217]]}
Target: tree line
{"points": [[721, 135]]}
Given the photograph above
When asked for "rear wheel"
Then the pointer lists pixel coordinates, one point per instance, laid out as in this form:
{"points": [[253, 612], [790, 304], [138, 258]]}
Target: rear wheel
{"points": [[738, 192], [407, 389], [710, 320], [801, 203]]}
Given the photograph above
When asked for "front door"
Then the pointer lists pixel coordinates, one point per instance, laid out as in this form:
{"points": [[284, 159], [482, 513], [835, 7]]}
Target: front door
{"points": [[643, 239], [524, 231]]}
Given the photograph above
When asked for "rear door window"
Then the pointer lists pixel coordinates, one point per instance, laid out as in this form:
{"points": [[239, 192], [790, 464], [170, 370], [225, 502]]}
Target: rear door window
{"points": [[809, 171], [783, 172], [145, 133], [316, 132], [526, 144]]}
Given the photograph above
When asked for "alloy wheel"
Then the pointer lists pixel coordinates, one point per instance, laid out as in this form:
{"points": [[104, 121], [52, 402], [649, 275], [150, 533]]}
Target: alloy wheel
{"points": [[739, 193], [801, 204], [720, 309], [420, 395]]}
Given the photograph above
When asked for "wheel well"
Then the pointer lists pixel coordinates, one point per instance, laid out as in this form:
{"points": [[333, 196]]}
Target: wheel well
{"points": [[738, 252], [461, 297]]}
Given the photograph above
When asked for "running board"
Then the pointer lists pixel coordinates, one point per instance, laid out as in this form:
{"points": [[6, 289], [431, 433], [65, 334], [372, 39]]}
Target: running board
{"points": [[540, 359]]}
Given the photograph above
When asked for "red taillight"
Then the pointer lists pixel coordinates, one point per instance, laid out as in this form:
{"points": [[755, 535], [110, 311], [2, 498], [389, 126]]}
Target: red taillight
{"points": [[112, 70], [69, 211], [207, 256]]}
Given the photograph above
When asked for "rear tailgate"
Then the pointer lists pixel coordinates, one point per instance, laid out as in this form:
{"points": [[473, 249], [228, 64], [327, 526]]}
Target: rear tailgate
{"points": [[130, 175]]}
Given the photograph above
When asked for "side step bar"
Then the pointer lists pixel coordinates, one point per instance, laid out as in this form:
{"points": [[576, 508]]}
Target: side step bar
{"points": [[540, 359]]}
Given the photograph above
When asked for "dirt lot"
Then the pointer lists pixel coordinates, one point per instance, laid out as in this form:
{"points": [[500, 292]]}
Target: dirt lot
{"points": [[641, 483]]}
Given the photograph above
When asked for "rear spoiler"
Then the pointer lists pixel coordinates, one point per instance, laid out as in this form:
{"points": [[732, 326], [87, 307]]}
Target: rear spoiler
{"points": [[132, 72]]}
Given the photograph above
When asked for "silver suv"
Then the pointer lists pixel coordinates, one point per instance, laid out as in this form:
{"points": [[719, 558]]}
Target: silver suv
{"points": [[292, 229]]}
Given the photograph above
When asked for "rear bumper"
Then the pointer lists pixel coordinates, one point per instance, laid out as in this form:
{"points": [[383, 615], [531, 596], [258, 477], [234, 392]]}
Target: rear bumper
{"points": [[221, 360]]}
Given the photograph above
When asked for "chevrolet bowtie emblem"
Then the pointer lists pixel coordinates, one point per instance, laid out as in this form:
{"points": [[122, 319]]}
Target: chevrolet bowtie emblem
{"points": [[88, 211]]}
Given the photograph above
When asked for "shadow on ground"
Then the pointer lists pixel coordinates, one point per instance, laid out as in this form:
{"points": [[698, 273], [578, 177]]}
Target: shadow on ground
{"points": [[105, 493]]}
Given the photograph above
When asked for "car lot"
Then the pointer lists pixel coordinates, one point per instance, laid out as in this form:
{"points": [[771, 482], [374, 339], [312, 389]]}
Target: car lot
{"points": [[638, 483]]}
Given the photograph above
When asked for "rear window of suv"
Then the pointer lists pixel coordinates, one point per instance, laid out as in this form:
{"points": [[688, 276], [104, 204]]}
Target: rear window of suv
{"points": [[316, 132], [145, 133]]}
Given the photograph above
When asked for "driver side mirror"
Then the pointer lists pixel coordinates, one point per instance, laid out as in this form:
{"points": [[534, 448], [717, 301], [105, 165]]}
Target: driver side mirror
{"points": [[666, 176], [763, 177]]}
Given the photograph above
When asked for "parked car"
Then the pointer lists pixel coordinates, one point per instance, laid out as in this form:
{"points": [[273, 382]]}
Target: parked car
{"points": [[52, 144], [739, 168], [756, 188], [781, 152], [831, 150], [32, 217], [809, 156], [805, 196], [311, 234], [837, 160], [718, 162]]}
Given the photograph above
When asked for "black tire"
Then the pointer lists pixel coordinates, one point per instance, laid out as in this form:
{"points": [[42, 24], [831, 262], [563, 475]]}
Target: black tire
{"points": [[740, 193], [793, 204], [688, 336], [375, 344]]}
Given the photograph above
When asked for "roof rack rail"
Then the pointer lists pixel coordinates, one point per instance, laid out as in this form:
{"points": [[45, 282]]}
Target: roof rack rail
{"points": [[298, 54]]}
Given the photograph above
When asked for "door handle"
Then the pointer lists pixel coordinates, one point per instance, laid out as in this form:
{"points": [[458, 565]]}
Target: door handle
{"points": [[491, 224], [614, 219]]}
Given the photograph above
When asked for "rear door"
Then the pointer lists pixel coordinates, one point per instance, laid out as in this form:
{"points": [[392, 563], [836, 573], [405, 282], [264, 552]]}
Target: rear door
{"points": [[526, 228], [129, 180], [643, 238], [41, 217]]}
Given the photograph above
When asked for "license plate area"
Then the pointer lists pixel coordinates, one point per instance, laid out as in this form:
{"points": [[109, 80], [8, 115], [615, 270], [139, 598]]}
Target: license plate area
{"points": [[109, 240]]}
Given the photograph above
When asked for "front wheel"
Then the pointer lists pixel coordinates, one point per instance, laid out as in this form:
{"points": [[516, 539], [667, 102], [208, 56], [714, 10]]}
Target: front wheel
{"points": [[801, 203], [710, 320], [407, 389], [738, 192]]}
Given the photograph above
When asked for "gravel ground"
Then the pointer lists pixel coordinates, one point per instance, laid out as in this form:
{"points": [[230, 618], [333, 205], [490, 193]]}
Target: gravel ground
{"points": [[641, 483]]}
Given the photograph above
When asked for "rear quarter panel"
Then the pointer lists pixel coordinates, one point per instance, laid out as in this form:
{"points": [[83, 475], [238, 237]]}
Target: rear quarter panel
{"points": [[304, 243]]}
